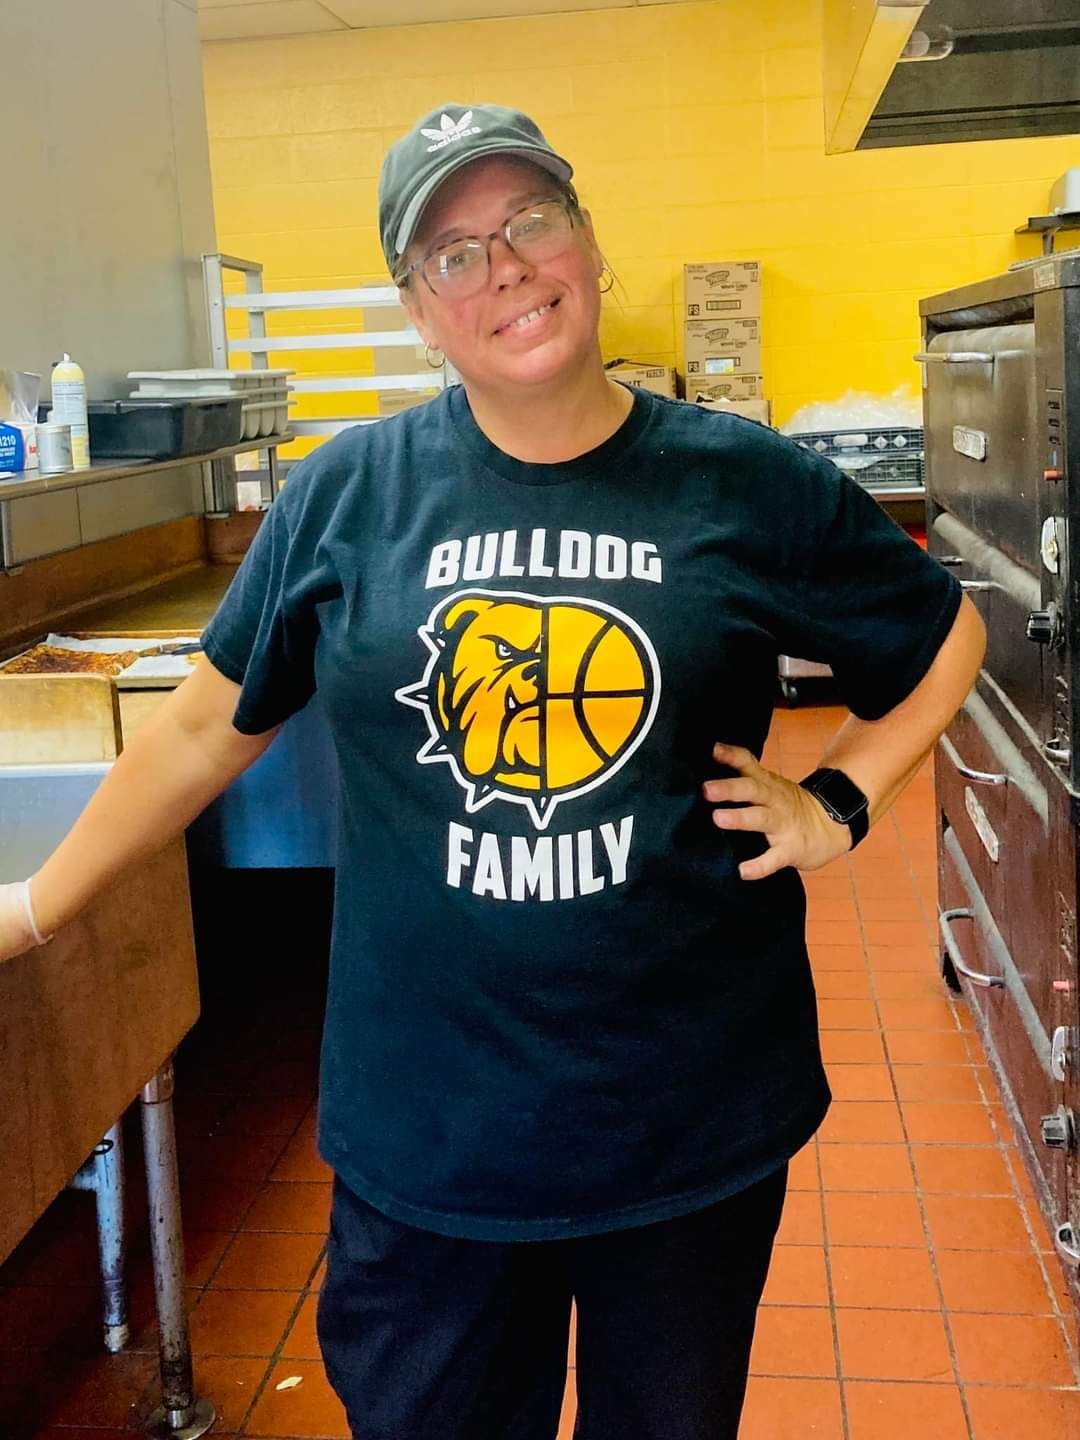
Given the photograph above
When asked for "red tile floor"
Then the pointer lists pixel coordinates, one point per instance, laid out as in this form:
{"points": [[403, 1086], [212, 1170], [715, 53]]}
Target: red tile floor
{"points": [[914, 1292]]}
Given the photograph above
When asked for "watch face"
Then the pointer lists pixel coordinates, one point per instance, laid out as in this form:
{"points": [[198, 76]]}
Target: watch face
{"points": [[840, 796]]}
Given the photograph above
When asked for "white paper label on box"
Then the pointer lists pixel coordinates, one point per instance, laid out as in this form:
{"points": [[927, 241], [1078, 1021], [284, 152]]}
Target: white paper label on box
{"points": [[1044, 277], [715, 307]]}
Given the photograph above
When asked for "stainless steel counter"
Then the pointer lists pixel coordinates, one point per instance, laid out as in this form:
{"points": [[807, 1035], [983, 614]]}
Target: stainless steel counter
{"points": [[184, 603], [29, 483], [43, 515]]}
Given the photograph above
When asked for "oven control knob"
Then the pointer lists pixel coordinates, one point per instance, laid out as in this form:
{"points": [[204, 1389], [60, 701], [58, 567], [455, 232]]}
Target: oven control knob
{"points": [[1042, 626], [1057, 1129]]}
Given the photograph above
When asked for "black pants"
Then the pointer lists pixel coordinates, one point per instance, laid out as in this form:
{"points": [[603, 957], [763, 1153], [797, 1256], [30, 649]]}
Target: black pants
{"points": [[429, 1338]]}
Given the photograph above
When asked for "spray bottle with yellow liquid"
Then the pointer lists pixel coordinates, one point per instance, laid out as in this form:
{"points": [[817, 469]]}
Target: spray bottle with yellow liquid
{"points": [[69, 408]]}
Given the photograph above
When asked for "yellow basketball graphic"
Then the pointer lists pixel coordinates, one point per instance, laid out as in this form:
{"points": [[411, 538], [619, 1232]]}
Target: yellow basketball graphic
{"points": [[532, 699]]}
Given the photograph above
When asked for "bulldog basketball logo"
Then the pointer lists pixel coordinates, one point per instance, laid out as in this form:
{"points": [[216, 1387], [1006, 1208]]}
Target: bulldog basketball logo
{"points": [[532, 700]]}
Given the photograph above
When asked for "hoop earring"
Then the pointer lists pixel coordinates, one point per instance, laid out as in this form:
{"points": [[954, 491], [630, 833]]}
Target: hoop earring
{"points": [[604, 289], [429, 351]]}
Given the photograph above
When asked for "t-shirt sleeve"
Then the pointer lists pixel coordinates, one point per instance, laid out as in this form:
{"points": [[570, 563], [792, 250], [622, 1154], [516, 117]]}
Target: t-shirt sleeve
{"points": [[860, 595], [264, 632]]}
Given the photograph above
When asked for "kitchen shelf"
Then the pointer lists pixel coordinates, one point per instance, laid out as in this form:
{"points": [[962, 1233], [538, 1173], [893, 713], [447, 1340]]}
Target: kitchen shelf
{"points": [[1048, 226], [31, 483]]}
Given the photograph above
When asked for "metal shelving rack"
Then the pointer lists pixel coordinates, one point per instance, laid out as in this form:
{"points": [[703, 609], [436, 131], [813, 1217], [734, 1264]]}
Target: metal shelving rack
{"points": [[1048, 226], [256, 303]]}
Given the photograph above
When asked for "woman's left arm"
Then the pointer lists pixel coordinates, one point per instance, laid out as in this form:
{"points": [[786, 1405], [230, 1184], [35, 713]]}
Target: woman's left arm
{"points": [[880, 756]]}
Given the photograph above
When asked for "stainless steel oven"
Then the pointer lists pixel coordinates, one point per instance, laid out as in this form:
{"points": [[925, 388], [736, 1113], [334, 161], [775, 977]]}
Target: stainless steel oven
{"points": [[1001, 375]]}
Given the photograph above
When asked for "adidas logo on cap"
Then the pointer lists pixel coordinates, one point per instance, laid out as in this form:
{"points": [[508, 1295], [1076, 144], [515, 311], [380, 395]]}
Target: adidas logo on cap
{"points": [[450, 130]]}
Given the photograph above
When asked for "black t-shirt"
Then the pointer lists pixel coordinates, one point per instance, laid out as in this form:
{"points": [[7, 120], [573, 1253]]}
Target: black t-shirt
{"points": [[554, 1007]]}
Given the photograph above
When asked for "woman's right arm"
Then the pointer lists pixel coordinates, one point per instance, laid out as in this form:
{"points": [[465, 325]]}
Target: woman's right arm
{"points": [[179, 760]]}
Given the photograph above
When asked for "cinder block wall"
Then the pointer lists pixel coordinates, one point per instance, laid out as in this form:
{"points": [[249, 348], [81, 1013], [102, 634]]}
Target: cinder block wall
{"points": [[697, 134]]}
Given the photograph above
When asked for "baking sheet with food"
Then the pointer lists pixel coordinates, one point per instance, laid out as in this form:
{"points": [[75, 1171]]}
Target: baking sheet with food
{"points": [[134, 661]]}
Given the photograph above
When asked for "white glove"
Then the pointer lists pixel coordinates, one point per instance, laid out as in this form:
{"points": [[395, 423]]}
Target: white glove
{"points": [[18, 925]]}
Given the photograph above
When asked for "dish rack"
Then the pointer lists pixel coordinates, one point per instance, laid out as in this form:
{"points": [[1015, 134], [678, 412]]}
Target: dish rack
{"points": [[883, 460], [263, 394], [891, 455]]}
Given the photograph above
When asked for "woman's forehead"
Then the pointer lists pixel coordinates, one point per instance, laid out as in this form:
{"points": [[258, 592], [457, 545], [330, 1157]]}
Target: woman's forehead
{"points": [[485, 188]]}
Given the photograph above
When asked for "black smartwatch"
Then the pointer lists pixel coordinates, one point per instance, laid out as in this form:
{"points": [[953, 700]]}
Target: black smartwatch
{"points": [[842, 799]]}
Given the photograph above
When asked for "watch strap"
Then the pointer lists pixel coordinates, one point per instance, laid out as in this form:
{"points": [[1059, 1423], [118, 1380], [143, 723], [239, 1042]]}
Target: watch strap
{"points": [[842, 799]]}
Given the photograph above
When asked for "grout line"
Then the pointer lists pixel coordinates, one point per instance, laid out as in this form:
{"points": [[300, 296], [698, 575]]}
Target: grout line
{"points": [[845, 1428], [260, 1389], [908, 1309], [919, 1380], [920, 1200]]}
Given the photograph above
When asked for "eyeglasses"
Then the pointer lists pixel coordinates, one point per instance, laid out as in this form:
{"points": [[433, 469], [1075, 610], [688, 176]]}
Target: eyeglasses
{"points": [[461, 267]]}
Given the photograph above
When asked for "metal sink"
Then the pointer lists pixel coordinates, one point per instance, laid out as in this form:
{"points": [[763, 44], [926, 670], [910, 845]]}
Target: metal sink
{"points": [[280, 813], [38, 806]]}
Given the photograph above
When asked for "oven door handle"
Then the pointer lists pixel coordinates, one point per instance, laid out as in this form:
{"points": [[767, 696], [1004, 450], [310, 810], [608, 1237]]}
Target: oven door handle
{"points": [[954, 357], [1060, 1050], [977, 777], [945, 919], [1067, 1243], [978, 585]]}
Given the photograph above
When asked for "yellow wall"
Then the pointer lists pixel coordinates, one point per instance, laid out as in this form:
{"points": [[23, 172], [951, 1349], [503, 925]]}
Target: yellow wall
{"points": [[696, 132]]}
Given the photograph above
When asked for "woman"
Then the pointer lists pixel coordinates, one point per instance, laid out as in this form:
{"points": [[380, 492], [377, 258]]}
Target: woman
{"points": [[571, 1039]]}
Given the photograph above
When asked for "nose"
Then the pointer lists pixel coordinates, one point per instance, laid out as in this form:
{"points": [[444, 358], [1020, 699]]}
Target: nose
{"points": [[530, 672], [507, 268]]}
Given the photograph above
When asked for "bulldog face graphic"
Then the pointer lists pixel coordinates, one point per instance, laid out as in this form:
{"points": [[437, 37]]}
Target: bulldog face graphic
{"points": [[532, 700], [487, 691]]}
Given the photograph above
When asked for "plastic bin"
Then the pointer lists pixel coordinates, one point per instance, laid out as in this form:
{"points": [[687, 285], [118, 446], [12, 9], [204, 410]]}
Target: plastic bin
{"points": [[162, 429]]}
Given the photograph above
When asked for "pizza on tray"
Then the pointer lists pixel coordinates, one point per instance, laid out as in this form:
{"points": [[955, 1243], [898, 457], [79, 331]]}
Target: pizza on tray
{"points": [[52, 660]]}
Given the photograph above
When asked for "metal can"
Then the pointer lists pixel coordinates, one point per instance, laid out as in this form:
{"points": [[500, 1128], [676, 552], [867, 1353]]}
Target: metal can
{"points": [[54, 448]]}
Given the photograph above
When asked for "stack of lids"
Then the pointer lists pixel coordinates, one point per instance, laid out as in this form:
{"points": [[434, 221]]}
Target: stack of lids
{"points": [[264, 394]]}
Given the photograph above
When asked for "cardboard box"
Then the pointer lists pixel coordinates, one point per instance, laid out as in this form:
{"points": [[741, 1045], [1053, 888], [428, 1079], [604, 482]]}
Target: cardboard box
{"points": [[393, 402], [749, 409], [723, 387], [400, 360], [18, 447], [659, 378], [723, 347], [717, 288]]}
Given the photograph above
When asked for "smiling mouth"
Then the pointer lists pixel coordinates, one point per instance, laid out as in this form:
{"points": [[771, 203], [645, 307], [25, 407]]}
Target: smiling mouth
{"points": [[530, 318]]}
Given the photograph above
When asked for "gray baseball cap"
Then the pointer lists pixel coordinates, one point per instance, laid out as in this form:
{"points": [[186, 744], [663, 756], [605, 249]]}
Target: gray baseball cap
{"points": [[442, 142]]}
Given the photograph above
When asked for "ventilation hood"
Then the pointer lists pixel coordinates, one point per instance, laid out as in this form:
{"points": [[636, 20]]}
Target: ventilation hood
{"points": [[1008, 68]]}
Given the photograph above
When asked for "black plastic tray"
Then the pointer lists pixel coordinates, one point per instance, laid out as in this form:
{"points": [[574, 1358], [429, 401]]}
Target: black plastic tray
{"points": [[162, 429]]}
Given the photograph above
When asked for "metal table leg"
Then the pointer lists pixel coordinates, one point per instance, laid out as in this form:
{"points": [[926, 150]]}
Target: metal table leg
{"points": [[222, 486], [103, 1173], [180, 1416]]}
